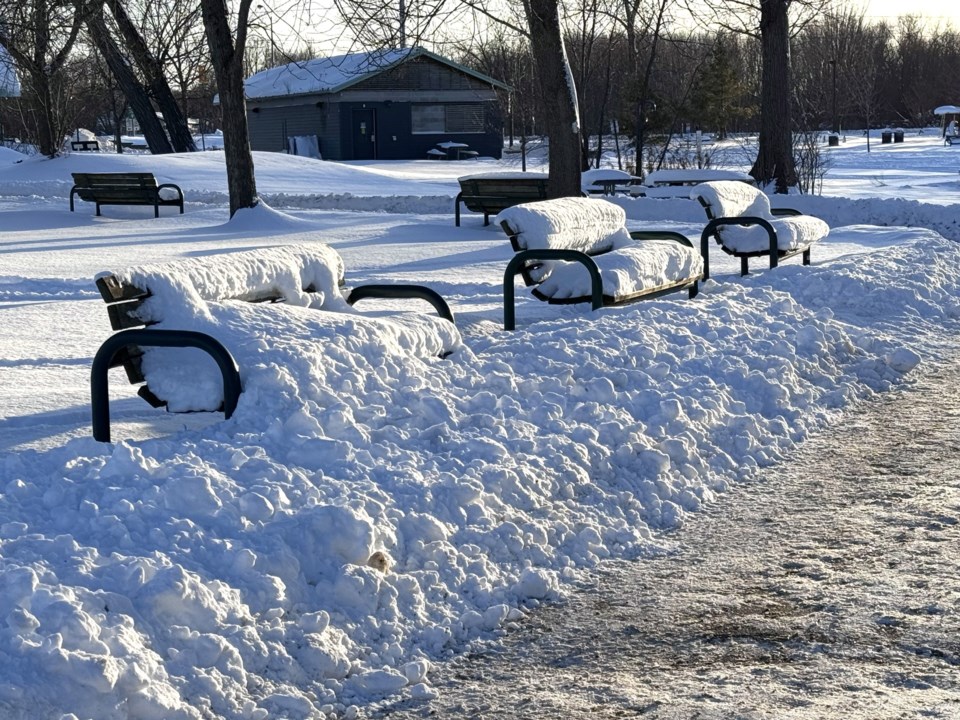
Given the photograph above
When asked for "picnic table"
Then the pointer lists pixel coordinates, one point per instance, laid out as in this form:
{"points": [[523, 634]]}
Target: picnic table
{"points": [[676, 183], [457, 150], [606, 181]]}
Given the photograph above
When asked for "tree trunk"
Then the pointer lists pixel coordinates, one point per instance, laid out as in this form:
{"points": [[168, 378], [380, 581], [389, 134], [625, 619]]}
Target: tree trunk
{"points": [[559, 97], [775, 160], [176, 122], [136, 96], [228, 66], [47, 129]]}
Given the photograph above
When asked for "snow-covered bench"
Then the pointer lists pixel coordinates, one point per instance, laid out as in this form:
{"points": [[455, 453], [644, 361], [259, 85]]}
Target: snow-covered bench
{"points": [[741, 220], [125, 189], [575, 250], [190, 303], [489, 193]]}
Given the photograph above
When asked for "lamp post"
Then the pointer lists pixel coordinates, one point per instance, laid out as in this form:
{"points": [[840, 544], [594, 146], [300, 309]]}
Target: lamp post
{"points": [[833, 68]]}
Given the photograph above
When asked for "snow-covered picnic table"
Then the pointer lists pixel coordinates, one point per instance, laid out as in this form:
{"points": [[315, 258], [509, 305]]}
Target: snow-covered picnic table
{"points": [[606, 180], [676, 182]]}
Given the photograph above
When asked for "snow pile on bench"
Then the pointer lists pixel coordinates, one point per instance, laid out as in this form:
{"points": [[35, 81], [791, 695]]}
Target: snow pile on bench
{"points": [[279, 272], [628, 267], [214, 295], [725, 199], [585, 224]]}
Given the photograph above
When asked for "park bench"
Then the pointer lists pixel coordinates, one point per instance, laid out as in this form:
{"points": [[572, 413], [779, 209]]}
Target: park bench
{"points": [[169, 305], [576, 250], [125, 189], [84, 145], [742, 222], [492, 192]]}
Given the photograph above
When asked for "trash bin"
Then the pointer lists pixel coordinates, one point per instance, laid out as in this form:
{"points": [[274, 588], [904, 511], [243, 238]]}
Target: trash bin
{"points": [[833, 139], [886, 137], [898, 135]]}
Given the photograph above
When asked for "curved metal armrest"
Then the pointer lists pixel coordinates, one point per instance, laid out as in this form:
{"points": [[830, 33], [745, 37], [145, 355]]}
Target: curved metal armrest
{"points": [[518, 261], [661, 235], [399, 292], [711, 230], [170, 185], [99, 392]]}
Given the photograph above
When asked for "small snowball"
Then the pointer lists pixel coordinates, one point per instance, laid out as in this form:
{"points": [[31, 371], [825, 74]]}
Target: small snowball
{"points": [[902, 360]]}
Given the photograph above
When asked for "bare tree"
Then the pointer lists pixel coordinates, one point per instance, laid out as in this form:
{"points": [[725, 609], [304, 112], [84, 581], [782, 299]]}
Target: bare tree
{"points": [[173, 30], [39, 35], [558, 96], [226, 50], [771, 23], [134, 91], [152, 70]]}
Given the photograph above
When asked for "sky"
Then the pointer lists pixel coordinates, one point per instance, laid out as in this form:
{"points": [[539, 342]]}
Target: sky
{"points": [[372, 509], [932, 11]]}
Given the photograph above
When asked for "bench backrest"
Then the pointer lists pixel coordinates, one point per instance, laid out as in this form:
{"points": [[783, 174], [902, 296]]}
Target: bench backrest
{"points": [[494, 193], [114, 180], [731, 198], [590, 225]]}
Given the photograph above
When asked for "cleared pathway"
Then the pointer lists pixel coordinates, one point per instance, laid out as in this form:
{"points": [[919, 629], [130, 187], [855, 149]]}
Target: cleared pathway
{"points": [[829, 588]]}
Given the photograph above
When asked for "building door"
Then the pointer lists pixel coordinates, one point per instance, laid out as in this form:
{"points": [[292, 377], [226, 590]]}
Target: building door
{"points": [[364, 134]]}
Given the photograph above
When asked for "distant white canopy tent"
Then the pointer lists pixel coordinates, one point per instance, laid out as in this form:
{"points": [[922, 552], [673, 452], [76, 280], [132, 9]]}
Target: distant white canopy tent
{"points": [[943, 111], [9, 82]]}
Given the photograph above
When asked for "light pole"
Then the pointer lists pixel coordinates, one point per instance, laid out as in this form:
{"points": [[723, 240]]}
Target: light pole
{"points": [[833, 68]]}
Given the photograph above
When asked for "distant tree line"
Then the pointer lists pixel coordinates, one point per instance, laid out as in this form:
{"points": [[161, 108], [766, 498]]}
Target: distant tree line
{"points": [[781, 68], [845, 70]]}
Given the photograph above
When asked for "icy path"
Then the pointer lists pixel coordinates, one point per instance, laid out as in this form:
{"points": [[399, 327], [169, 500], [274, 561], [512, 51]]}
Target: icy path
{"points": [[829, 589]]}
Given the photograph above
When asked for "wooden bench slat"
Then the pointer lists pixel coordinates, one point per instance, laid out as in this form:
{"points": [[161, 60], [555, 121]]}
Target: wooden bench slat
{"points": [[492, 195]]}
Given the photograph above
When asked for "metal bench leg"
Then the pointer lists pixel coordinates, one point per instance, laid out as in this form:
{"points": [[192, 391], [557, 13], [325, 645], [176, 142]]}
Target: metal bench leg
{"points": [[744, 267], [806, 256]]}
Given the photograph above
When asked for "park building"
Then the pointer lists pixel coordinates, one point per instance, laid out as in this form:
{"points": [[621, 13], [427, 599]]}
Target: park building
{"points": [[384, 105]]}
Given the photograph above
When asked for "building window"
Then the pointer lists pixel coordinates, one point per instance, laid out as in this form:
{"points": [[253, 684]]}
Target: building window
{"points": [[444, 119]]}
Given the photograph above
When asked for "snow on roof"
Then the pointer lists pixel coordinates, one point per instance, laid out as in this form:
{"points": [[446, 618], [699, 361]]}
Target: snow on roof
{"points": [[9, 82], [947, 110], [331, 74]]}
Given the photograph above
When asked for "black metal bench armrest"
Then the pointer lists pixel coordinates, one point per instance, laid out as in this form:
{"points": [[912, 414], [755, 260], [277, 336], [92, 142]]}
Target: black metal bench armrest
{"points": [[402, 292], [519, 261], [103, 360], [170, 185], [785, 212], [711, 231]]}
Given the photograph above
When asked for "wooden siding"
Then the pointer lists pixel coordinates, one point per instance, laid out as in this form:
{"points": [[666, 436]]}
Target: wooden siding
{"points": [[271, 126], [389, 95], [421, 74]]}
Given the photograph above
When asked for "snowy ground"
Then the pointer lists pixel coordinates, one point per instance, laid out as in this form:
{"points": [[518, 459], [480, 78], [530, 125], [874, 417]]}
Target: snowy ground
{"points": [[206, 568], [826, 590]]}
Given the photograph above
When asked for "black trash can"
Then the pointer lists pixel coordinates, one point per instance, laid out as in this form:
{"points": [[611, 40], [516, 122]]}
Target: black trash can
{"points": [[898, 135], [886, 137], [833, 140]]}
